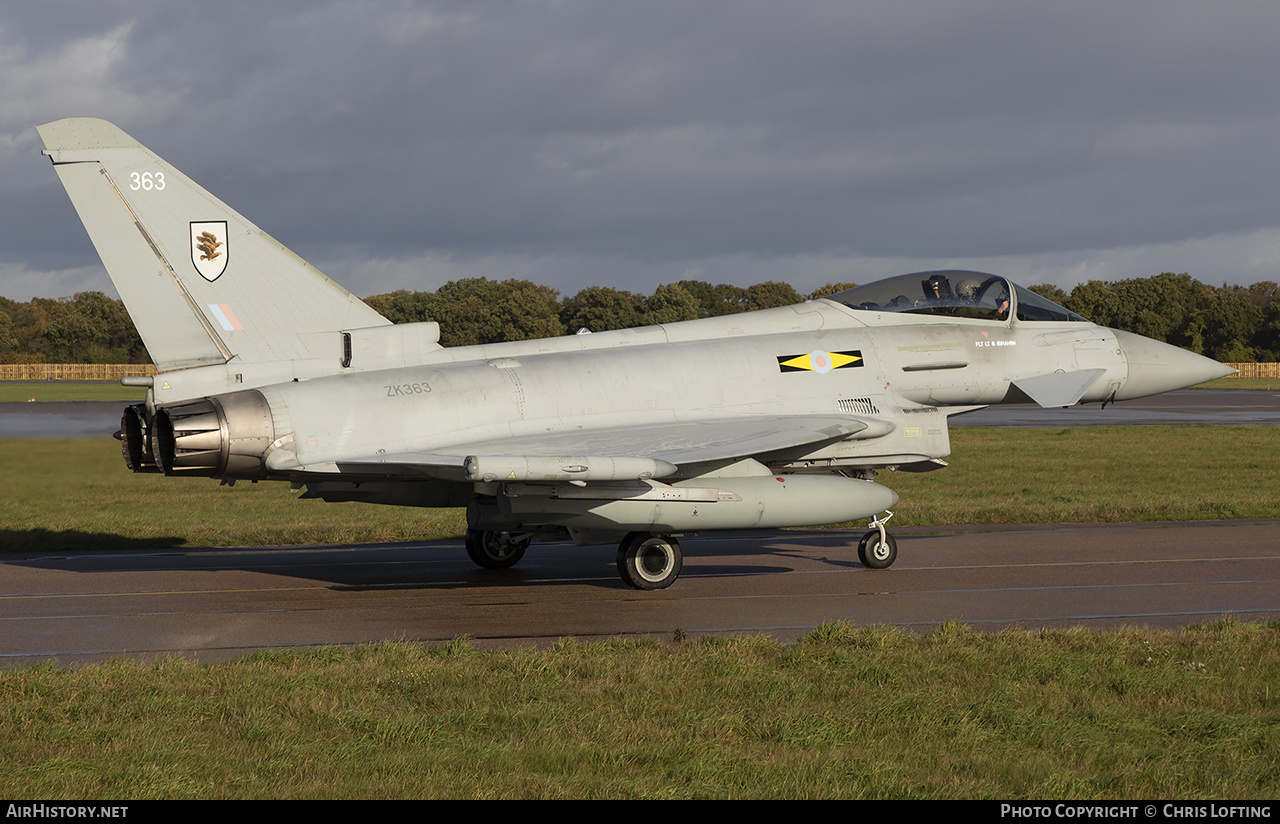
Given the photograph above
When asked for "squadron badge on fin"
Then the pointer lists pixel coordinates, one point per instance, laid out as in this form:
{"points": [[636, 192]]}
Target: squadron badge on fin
{"points": [[209, 248]]}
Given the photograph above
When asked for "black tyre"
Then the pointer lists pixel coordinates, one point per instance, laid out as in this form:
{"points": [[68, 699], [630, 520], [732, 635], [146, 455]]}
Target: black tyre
{"points": [[649, 561], [875, 554], [494, 550]]}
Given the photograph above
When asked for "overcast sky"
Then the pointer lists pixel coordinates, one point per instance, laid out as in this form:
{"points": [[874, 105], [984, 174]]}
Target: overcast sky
{"points": [[400, 145]]}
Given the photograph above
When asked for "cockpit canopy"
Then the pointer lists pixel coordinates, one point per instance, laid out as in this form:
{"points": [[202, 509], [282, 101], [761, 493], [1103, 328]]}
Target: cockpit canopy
{"points": [[955, 293]]}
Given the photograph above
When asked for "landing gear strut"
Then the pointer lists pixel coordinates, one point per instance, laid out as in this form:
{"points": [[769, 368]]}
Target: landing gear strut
{"points": [[495, 550], [878, 549], [647, 561]]}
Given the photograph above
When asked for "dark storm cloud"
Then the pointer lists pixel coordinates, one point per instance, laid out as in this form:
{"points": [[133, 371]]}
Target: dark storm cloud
{"points": [[626, 144]]}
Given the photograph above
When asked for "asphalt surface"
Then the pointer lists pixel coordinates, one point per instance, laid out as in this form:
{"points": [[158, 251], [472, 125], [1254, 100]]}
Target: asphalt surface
{"points": [[1239, 407], [217, 604], [72, 419]]}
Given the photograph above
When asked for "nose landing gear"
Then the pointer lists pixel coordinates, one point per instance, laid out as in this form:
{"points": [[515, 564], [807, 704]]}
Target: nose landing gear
{"points": [[878, 549]]}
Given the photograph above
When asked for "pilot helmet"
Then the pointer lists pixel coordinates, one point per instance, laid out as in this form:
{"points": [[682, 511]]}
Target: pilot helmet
{"points": [[967, 289]]}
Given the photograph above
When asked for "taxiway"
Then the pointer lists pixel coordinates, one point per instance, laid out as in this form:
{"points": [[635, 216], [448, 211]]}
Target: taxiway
{"points": [[217, 604]]}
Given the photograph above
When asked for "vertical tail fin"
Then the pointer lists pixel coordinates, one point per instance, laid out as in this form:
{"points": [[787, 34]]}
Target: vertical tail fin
{"points": [[202, 284]]}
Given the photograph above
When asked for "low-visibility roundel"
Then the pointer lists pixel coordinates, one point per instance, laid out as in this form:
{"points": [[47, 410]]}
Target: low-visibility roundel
{"points": [[820, 361]]}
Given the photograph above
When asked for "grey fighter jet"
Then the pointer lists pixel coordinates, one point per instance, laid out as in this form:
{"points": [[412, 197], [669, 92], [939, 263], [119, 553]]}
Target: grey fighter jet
{"points": [[782, 417]]}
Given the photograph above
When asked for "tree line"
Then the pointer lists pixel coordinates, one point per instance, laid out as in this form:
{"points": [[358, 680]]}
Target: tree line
{"points": [[1231, 324], [1228, 323], [89, 328]]}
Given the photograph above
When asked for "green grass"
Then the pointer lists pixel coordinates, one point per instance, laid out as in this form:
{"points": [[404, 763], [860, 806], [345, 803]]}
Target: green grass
{"points": [[1097, 474], [77, 494], [80, 495], [62, 391], [1241, 383], [845, 713]]}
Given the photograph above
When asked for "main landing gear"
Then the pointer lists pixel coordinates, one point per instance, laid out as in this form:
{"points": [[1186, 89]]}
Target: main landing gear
{"points": [[647, 561], [877, 549], [495, 550]]}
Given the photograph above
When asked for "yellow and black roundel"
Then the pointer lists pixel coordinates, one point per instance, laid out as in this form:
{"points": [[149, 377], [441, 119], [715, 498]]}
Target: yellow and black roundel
{"points": [[820, 361]]}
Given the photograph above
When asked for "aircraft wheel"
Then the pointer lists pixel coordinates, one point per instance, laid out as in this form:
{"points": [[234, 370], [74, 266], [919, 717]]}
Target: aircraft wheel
{"points": [[649, 561], [875, 554], [494, 550]]}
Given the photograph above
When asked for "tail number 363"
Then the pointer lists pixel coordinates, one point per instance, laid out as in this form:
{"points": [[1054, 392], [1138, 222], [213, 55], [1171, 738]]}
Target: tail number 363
{"points": [[147, 181]]}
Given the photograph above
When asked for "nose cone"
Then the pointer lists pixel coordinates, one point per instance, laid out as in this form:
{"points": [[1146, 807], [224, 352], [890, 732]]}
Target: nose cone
{"points": [[1156, 367]]}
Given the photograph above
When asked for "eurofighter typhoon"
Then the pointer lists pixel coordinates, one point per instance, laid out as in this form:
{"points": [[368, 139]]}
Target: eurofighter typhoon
{"points": [[267, 370]]}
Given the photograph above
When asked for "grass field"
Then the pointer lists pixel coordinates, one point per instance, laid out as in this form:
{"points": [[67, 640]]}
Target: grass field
{"points": [[1263, 384], [62, 391], [845, 713], [78, 494]]}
